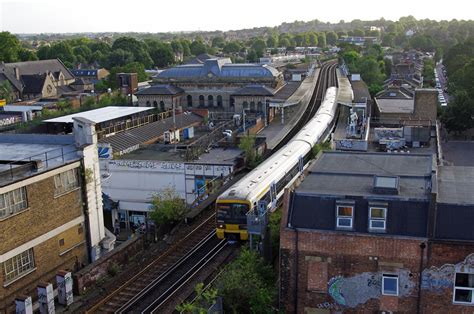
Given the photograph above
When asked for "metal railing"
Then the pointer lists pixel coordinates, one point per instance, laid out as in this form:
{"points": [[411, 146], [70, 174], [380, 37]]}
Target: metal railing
{"points": [[36, 163]]}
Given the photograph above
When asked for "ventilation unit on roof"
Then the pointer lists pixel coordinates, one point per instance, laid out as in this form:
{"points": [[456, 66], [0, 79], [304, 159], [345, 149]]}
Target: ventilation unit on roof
{"points": [[386, 185]]}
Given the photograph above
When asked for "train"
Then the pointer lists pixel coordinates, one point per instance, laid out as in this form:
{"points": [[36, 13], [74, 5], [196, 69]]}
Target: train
{"points": [[265, 184]]}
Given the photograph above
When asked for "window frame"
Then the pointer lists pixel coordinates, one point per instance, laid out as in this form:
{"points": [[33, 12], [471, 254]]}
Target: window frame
{"points": [[14, 202], [345, 217], [18, 262], [378, 229], [66, 181], [390, 276], [462, 288]]}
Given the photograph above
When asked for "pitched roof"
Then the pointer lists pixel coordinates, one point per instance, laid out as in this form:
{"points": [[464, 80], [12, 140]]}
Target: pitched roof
{"points": [[254, 90], [161, 90], [199, 59], [33, 83], [9, 75], [41, 67]]}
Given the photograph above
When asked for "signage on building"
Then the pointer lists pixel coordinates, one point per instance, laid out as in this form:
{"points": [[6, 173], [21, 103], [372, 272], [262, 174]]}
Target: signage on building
{"points": [[3, 102], [64, 280], [105, 150], [46, 298]]}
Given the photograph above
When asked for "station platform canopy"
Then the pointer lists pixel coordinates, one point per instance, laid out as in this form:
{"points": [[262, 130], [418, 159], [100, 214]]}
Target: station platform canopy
{"points": [[101, 115], [345, 95]]}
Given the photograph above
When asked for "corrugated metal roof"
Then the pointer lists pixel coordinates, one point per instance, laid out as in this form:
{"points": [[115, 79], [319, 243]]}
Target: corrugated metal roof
{"points": [[101, 114]]}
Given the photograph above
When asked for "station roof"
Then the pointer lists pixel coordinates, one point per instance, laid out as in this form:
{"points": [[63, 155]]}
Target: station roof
{"points": [[161, 89], [456, 185], [101, 114], [254, 90]]}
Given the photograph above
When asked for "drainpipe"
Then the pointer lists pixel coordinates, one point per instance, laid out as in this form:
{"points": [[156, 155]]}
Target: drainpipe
{"points": [[297, 272], [420, 279], [86, 211]]}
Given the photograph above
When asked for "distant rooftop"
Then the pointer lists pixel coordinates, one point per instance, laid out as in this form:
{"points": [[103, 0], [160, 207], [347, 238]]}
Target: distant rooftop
{"points": [[101, 114], [395, 105]]}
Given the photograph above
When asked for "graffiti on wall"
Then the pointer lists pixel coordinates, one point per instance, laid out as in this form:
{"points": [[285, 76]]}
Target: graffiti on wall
{"points": [[358, 289], [437, 279]]}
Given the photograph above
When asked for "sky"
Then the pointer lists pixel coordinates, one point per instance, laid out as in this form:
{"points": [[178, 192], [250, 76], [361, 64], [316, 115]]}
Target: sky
{"points": [[72, 16]]}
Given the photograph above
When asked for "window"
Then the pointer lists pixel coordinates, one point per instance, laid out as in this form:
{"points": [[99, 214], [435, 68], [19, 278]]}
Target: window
{"points": [[389, 284], [190, 100], [377, 218], [61, 242], [345, 214], [65, 182], [18, 265], [13, 202], [463, 288]]}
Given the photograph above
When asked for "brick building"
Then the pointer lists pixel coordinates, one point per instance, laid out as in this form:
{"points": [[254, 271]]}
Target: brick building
{"points": [[365, 231], [50, 209]]}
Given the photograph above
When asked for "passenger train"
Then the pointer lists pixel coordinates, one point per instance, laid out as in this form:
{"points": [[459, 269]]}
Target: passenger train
{"points": [[266, 183]]}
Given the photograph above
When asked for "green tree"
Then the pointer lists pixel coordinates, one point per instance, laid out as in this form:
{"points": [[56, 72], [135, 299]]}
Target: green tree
{"points": [[322, 40], [6, 91], [198, 47], [247, 144], [259, 46], [137, 48], [459, 115], [252, 56], [313, 39], [117, 58], [371, 71], [27, 55], [218, 42], [203, 301], [162, 54], [331, 38], [232, 47], [9, 47], [358, 32], [167, 207], [272, 41], [248, 285]]}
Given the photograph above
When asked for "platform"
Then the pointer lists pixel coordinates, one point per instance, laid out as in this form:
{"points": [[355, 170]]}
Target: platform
{"points": [[345, 95], [294, 108]]}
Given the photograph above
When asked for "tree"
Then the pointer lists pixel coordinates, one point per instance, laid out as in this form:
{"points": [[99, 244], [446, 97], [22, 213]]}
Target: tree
{"points": [[61, 50], [218, 42], [203, 301], [322, 40], [370, 71], [167, 207], [313, 39], [459, 115], [358, 33], [117, 58], [331, 38], [137, 48], [259, 46], [272, 41], [9, 47], [27, 55], [232, 47], [248, 285], [247, 144], [162, 54], [198, 47], [6, 91]]}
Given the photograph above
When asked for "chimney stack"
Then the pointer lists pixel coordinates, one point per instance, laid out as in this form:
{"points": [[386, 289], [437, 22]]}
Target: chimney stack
{"points": [[17, 73]]}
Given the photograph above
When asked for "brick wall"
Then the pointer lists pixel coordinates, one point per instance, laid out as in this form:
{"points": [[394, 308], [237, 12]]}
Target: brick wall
{"points": [[120, 256], [426, 102], [45, 212]]}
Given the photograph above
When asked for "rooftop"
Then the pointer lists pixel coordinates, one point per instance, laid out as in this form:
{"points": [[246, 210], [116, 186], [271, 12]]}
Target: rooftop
{"points": [[395, 105], [101, 114], [161, 89], [343, 173], [23, 155], [456, 185]]}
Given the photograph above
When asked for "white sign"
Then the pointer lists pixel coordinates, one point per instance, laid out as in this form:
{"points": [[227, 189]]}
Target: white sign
{"points": [[46, 298], [24, 305], [148, 164], [64, 280]]}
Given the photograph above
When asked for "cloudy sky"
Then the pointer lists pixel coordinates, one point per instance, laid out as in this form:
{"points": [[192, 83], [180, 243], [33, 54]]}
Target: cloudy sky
{"points": [[64, 16]]}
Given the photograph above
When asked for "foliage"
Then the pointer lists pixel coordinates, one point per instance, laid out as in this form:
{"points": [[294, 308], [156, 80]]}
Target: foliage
{"points": [[167, 206], [6, 91], [137, 48], [204, 300], [198, 47], [320, 147], [232, 47], [274, 225], [133, 67], [9, 47], [247, 144], [428, 72], [248, 285], [161, 53]]}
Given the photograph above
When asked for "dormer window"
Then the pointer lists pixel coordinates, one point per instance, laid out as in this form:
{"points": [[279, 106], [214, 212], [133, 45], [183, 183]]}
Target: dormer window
{"points": [[345, 215]]}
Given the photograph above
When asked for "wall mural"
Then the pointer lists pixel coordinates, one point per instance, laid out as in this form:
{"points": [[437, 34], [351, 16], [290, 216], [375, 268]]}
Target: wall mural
{"points": [[358, 289], [437, 279]]}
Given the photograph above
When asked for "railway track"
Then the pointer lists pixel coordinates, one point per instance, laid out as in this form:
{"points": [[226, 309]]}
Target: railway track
{"points": [[326, 78], [155, 284], [160, 266]]}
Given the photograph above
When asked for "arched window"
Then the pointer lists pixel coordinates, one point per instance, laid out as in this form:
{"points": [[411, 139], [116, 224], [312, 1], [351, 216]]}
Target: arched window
{"points": [[155, 104], [259, 106], [210, 101], [232, 104], [252, 106], [190, 100], [245, 105], [162, 105], [201, 101], [148, 104], [219, 101]]}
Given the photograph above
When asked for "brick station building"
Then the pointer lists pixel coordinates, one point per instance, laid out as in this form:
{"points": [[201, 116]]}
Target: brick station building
{"points": [[371, 232]]}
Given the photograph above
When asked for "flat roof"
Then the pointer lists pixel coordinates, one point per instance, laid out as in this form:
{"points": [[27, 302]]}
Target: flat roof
{"points": [[456, 185], [101, 114], [395, 105]]}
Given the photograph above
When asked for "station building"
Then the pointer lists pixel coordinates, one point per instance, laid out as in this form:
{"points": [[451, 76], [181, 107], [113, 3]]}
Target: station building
{"points": [[216, 84], [51, 216]]}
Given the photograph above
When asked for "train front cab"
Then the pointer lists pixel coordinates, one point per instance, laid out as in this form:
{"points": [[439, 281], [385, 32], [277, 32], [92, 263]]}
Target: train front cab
{"points": [[231, 219]]}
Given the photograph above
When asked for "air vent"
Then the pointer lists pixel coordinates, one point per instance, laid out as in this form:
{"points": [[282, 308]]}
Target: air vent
{"points": [[386, 185]]}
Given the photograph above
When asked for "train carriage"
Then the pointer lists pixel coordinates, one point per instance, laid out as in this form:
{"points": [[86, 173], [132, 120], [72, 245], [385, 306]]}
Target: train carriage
{"points": [[268, 181]]}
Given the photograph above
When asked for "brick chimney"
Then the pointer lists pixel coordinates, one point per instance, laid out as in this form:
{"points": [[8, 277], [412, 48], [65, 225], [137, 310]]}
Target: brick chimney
{"points": [[17, 73]]}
